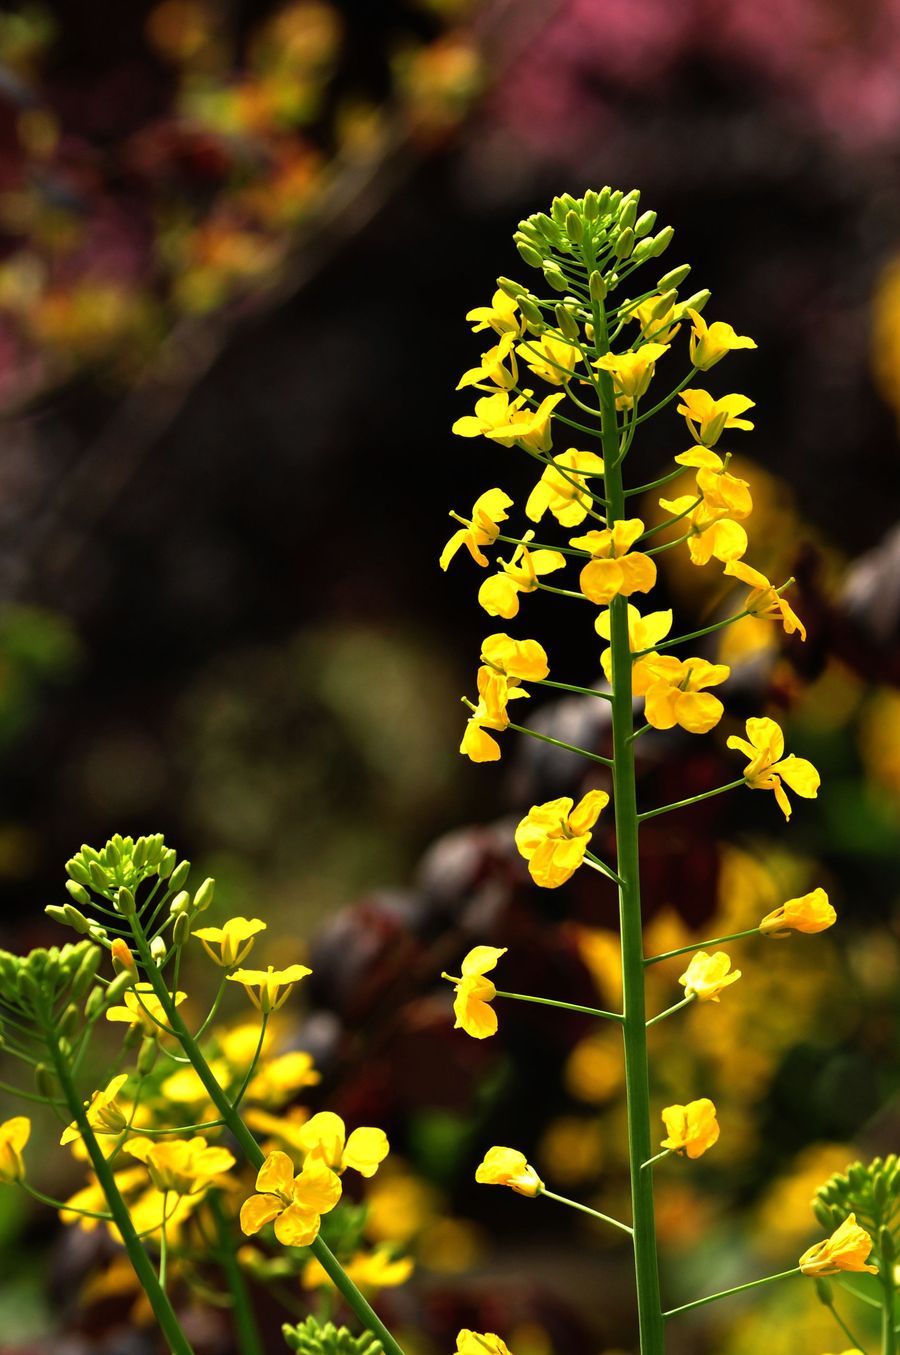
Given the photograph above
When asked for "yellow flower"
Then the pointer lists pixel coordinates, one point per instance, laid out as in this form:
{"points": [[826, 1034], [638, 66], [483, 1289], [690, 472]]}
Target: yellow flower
{"points": [[564, 495], [723, 493], [480, 1343], [530, 427], [234, 940], [379, 1269], [143, 1008], [508, 1167], [474, 993], [763, 600], [492, 367], [516, 660], [615, 568], [690, 1129], [712, 534], [632, 372], [268, 988], [294, 1203], [324, 1139], [285, 1127], [659, 327], [810, 913], [14, 1134], [708, 418], [500, 315], [104, 1114], [183, 1166], [494, 691], [553, 837], [767, 768], [710, 343], [846, 1249], [499, 595], [123, 960], [280, 1078], [488, 511], [676, 695], [491, 411], [643, 633], [545, 356], [706, 975]]}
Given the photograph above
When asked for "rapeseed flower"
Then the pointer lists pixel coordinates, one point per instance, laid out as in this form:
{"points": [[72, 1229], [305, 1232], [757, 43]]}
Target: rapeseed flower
{"points": [[632, 372], [661, 327], [707, 418], [846, 1249], [501, 315], [690, 1129], [324, 1139], [499, 595], [706, 975], [516, 660], [809, 913], [14, 1134], [553, 837], [143, 1008], [488, 511], [530, 427], [767, 768], [615, 568], [181, 1166], [643, 633], [712, 535], [711, 343], [763, 600], [269, 988], [723, 493], [547, 355], [508, 1167], [565, 495], [491, 411], [234, 940], [104, 1114], [494, 691], [474, 993], [294, 1204], [493, 367], [676, 696], [480, 1343]]}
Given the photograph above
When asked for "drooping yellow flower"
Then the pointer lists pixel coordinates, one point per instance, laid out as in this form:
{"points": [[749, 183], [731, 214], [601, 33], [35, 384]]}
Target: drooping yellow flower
{"points": [[491, 411], [706, 975], [676, 696], [724, 494], [530, 427], [550, 358], [182, 1166], [494, 691], [475, 993], [763, 600], [767, 768], [480, 1343], [488, 511], [553, 837], [615, 568], [233, 940], [632, 372], [846, 1249], [499, 595], [710, 343], [494, 368], [562, 489], [508, 1167], [143, 1008], [501, 315], [269, 988], [14, 1134], [809, 913], [659, 326], [690, 1129], [324, 1139], [294, 1203], [713, 535], [517, 660], [105, 1115], [643, 633], [708, 418]]}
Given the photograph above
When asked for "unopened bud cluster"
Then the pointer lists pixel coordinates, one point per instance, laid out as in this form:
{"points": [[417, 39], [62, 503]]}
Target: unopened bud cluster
{"points": [[311, 1338], [870, 1192]]}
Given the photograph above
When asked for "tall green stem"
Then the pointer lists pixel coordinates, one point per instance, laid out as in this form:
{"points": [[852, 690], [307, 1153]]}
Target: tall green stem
{"points": [[249, 1341], [888, 1331], [143, 1267], [251, 1149], [637, 1079]]}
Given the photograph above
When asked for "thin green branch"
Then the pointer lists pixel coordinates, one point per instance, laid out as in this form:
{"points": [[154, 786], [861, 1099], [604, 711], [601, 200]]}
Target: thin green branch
{"points": [[551, 1002], [692, 800], [558, 743], [584, 1209], [701, 945], [727, 1293], [670, 1011]]}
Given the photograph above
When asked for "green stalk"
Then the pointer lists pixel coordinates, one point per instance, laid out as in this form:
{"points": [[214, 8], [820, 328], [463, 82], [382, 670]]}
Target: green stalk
{"points": [[727, 1293], [249, 1341], [251, 1149], [637, 1077], [143, 1268], [888, 1331]]}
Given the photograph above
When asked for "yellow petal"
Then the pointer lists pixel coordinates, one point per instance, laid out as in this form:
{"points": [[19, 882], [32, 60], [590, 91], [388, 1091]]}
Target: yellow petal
{"points": [[258, 1211]]}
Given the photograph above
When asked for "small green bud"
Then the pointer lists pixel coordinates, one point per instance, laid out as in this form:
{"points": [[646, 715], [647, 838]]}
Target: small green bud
{"points": [[124, 902], [139, 854], [78, 871], [98, 933], [545, 228], [204, 895], [665, 303], [555, 276], [179, 876], [591, 205], [662, 241], [511, 289], [628, 215], [887, 1246], [824, 1291], [118, 987], [644, 224], [531, 311], [643, 251], [674, 278], [697, 301], [181, 930], [113, 855], [574, 228], [98, 877], [86, 973], [95, 1003], [597, 286], [879, 1192], [65, 1046], [528, 254], [45, 1080], [78, 893], [857, 1176], [167, 863], [625, 244], [27, 987], [603, 200], [568, 325], [147, 1055], [90, 854], [70, 1020], [180, 904], [158, 949], [57, 914]]}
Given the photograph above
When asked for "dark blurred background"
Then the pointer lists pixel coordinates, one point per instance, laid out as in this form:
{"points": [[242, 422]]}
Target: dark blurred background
{"points": [[238, 244]]}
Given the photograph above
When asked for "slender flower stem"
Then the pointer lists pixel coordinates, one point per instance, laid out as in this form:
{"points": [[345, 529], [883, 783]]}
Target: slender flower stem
{"points": [[561, 592], [583, 1209], [693, 800], [726, 1293], [61, 1204], [558, 743], [671, 396], [670, 522], [888, 1330], [666, 1152], [699, 945], [694, 634], [661, 1016], [251, 1149], [551, 1002], [532, 544], [249, 1341], [655, 484], [570, 687], [596, 864], [637, 1078], [163, 1245], [842, 1324]]}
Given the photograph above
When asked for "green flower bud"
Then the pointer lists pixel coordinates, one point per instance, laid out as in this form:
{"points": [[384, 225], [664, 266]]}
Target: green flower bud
{"points": [[644, 224], [510, 288], [78, 893], [166, 863], [70, 1021], [95, 1003], [628, 215], [179, 876], [78, 871], [624, 244], [886, 1246], [181, 930], [597, 286], [880, 1192], [113, 855], [574, 228], [674, 278], [643, 250], [86, 973], [45, 1080], [568, 325], [529, 254], [90, 854], [591, 205], [117, 988], [158, 949], [696, 302], [555, 276], [98, 933], [665, 302], [124, 902], [57, 914], [662, 241], [98, 877], [531, 311], [147, 1055], [822, 1213], [204, 895]]}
